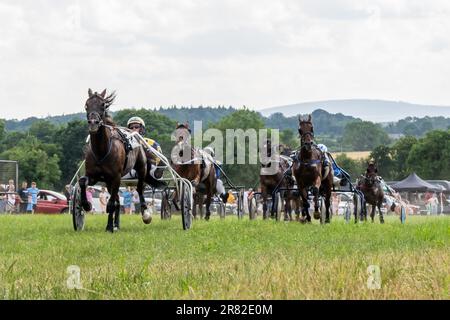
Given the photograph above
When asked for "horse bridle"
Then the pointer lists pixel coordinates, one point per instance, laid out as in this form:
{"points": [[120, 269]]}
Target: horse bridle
{"points": [[98, 117]]}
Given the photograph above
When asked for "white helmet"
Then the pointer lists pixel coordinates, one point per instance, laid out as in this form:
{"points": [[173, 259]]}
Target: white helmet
{"points": [[323, 148], [138, 120], [210, 151]]}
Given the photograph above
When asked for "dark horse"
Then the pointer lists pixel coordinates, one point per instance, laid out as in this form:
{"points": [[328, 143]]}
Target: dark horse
{"points": [[196, 166], [370, 186], [107, 159], [272, 179], [310, 173]]}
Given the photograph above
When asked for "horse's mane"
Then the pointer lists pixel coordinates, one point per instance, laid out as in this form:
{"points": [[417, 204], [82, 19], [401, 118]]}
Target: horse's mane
{"points": [[109, 100]]}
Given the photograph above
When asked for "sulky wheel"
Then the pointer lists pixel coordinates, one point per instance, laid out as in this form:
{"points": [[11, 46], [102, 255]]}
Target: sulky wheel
{"points": [[78, 214], [186, 207]]}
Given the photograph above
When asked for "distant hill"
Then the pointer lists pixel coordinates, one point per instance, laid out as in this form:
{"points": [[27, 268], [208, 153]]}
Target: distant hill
{"points": [[371, 110]]}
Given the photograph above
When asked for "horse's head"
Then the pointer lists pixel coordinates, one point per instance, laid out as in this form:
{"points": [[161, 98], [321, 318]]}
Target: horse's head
{"points": [[182, 150], [96, 109], [372, 169], [306, 132]]}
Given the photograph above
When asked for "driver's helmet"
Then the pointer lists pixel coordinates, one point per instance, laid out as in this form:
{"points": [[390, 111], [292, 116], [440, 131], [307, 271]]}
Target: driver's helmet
{"points": [[210, 151], [134, 121], [323, 148]]}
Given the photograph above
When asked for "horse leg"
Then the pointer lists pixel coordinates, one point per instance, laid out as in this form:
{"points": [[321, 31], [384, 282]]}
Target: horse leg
{"points": [[117, 214], [264, 205], [381, 213], [315, 191], [287, 208], [83, 182], [111, 207], [305, 206], [208, 203], [327, 206], [372, 214]]}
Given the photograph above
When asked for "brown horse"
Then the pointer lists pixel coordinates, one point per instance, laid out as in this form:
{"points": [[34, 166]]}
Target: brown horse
{"points": [[273, 179], [196, 166], [310, 172], [370, 186], [107, 159]]}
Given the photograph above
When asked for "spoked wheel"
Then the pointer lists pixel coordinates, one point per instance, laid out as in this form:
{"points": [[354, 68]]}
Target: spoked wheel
{"points": [[186, 207], [78, 214], [166, 210], [252, 206]]}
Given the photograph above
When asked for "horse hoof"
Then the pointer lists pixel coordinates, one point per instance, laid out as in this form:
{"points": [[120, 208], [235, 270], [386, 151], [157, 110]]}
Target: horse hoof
{"points": [[109, 229], [382, 221], [327, 220], [316, 215], [116, 228], [146, 218], [207, 218]]}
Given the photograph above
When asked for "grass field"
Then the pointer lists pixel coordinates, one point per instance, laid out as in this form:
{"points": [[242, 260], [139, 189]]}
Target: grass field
{"points": [[223, 259]]}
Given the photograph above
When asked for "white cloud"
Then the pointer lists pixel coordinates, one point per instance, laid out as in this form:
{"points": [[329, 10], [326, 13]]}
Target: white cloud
{"points": [[258, 53]]}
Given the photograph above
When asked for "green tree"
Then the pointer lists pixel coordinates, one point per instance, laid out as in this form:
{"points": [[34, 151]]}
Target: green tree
{"points": [[241, 174], [287, 137], [71, 139], [429, 157], [353, 167], [34, 163], [364, 135], [383, 159], [400, 152], [44, 130]]}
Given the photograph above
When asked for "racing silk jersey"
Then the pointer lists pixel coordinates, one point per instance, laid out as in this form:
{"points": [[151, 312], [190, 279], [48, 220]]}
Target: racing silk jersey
{"points": [[156, 146]]}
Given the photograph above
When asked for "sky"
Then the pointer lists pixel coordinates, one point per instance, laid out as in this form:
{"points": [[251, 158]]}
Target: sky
{"points": [[257, 53]]}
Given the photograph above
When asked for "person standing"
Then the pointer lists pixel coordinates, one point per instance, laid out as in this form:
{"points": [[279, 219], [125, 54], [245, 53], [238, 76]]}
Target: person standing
{"points": [[103, 197], [127, 199], [11, 197], [32, 197], [136, 205], [90, 198], [2, 199], [23, 196]]}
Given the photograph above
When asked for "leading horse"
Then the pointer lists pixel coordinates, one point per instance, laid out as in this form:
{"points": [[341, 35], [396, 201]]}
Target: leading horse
{"points": [[109, 157], [310, 173]]}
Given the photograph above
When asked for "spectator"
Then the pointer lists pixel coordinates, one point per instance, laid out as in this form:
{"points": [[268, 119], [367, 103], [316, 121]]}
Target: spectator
{"points": [[23, 196], [231, 199], [103, 197], [32, 197], [2, 199], [127, 199], [335, 203], [89, 197], [11, 197], [136, 204]]}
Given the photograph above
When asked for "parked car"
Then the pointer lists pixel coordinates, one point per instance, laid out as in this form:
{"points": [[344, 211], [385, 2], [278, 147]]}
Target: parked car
{"points": [[51, 202]]}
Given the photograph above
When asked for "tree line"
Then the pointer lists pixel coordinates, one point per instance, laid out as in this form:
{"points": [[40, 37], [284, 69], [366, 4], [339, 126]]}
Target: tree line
{"points": [[51, 153]]}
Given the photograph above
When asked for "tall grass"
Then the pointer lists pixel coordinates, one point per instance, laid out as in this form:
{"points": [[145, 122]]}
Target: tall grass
{"points": [[223, 259]]}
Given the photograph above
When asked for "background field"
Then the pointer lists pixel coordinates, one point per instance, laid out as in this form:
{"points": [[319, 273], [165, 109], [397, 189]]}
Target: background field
{"points": [[223, 259]]}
